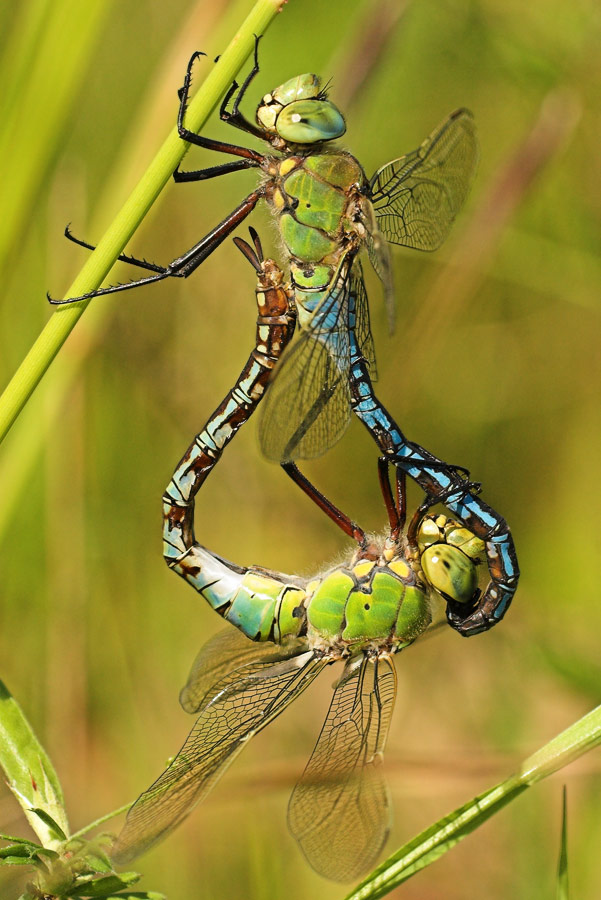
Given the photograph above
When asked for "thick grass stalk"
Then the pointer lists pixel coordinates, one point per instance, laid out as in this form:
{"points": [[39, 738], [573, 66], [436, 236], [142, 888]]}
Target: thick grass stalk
{"points": [[55, 333], [443, 835]]}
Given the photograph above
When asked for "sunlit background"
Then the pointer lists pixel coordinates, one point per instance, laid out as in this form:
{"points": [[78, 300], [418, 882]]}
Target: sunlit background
{"points": [[494, 365]]}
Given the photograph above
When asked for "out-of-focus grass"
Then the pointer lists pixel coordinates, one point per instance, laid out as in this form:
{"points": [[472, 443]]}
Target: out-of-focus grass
{"points": [[96, 638]]}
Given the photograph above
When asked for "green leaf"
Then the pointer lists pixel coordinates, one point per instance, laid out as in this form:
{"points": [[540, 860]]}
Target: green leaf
{"points": [[441, 837], [16, 861], [17, 850], [17, 840], [104, 887], [96, 861], [563, 891], [54, 827], [29, 772]]}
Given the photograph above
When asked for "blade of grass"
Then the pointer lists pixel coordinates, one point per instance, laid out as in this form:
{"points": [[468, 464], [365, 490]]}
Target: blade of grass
{"points": [[131, 214], [563, 891], [442, 836], [22, 454], [42, 68]]}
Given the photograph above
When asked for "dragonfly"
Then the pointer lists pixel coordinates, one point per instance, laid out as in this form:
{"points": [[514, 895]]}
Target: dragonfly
{"points": [[328, 211], [288, 629]]}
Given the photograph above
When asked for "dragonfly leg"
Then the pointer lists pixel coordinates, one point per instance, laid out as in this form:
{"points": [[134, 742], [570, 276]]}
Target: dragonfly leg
{"points": [[182, 266], [132, 260], [235, 117], [212, 171], [396, 505], [339, 518], [447, 484], [198, 140]]}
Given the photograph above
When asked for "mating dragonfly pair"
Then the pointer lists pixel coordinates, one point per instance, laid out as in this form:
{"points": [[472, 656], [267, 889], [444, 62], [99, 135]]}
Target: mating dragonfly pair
{"points": [[327, 212]]}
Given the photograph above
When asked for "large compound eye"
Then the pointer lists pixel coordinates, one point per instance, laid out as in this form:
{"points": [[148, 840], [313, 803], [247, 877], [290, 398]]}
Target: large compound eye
{"points": [[450, 572], [301, 87], [310, 121], [464, 540]]}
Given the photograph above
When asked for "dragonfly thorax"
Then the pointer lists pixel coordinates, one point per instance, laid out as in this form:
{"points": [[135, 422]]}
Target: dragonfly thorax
{"points": [[373, 603], [299, 112]]}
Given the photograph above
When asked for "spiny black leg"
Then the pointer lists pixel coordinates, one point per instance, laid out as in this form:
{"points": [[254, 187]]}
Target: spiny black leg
{"points": [[254, 71], [213, 171], [186, 264], [196, 139], [338, 517], [132, 260], [235, 117]]}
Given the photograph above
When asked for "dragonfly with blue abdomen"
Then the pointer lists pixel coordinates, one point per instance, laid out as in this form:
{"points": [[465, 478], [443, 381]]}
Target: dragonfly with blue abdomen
{"points": [[327, 211], [287, 629]]}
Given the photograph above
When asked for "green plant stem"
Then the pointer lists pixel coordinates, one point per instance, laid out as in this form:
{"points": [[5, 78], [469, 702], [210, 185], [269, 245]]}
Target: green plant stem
{"points": [[442, 836], [55, 333], [116, 812]]}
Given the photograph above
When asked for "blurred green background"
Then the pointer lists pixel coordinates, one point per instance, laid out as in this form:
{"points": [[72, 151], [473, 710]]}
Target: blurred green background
{"points": [[494, 364]]}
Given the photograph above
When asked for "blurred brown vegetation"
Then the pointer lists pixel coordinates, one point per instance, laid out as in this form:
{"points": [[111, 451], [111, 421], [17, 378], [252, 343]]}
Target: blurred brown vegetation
{"points": [[495, 365]]}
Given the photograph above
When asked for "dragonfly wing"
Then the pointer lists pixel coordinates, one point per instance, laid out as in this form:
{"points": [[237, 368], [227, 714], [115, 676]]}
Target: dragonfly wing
{"points": [[243, 703], [363, 326], [378, 251], [417, 197], [307, 407], [226, 652], [339, 810]]}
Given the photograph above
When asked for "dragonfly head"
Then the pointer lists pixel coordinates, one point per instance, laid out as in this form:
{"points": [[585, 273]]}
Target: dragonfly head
{"points": [[449, 557], [299, 112]]}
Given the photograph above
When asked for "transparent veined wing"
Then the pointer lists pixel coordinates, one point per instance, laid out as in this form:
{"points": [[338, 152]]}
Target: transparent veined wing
{"points": [[226, 652], [378, 251], [362, 322], [243, 703], [417, 197], [307, 407], [339, 811]]}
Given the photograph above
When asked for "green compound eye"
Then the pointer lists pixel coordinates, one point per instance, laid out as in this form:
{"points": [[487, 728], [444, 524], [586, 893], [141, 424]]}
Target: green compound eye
{"points": [[464, 540], [310, 121], [302, 87], [450, 572]]}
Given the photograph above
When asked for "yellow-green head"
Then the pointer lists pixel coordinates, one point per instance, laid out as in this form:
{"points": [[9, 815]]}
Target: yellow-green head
{"points": [[450, 555], [299, 112]]}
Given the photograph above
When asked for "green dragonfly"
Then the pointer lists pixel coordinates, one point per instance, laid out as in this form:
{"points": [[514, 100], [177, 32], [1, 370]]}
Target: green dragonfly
{"points": [[288, 629], [327, 212]]}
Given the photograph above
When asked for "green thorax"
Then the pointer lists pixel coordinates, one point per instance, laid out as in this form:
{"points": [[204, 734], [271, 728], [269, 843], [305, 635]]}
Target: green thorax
{"points": [[370, 603], [316, 198]]}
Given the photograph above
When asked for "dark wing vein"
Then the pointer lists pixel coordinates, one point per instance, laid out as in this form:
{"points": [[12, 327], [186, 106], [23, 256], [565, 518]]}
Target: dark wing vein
{"points": [[243, 703], [339, 810], [417, 197]]}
